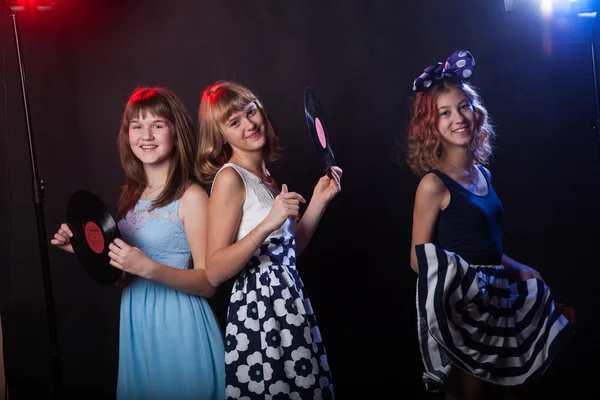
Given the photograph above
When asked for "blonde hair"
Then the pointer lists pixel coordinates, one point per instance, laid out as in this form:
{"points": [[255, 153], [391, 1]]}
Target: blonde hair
{"points": [[165, 104], [424, 141], [219, 101]]}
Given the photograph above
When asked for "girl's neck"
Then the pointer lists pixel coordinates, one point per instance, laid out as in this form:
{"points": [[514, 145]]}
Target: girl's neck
{"points": [[156, 175], [458, 159], [254, 162]]}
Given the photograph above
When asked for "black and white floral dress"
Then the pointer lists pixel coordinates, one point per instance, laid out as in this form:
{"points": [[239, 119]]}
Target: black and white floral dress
{"points": [[274, 349]]}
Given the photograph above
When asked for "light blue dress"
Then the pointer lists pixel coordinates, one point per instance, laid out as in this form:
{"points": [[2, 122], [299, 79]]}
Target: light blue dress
{"points": [[170, 344]]}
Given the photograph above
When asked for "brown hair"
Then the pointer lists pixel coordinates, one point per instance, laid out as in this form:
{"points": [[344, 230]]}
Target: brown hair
{"points": [[424, 142], [165, 104], [218, 102]]}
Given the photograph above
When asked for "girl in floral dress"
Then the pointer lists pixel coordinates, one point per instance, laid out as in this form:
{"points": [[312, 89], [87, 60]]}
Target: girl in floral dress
{"points": [[273, 345]]}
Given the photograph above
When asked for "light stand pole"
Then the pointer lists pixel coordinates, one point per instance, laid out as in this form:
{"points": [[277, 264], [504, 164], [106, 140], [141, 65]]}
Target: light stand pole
{"points": [[595, 72], [38, 199]]}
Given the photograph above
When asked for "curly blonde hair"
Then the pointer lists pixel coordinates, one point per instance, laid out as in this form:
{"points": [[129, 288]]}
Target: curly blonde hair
{"points": [[219, 101], [424, 141]]}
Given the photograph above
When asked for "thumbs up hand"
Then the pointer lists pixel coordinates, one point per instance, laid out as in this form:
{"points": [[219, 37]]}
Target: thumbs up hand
{"points": [[286, 205]]}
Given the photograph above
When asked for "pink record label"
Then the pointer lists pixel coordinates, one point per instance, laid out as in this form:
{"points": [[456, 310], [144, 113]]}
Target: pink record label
{"points": [[320, 133], [94, 238]]}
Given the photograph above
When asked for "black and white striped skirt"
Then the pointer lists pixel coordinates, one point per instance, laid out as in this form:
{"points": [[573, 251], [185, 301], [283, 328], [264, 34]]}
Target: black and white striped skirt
{"points": [[472, 318]]}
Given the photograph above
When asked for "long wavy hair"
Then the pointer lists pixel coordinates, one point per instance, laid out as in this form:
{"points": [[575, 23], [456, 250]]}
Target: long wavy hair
{"points": [[424, 141], [164, 104], [218, 102]]}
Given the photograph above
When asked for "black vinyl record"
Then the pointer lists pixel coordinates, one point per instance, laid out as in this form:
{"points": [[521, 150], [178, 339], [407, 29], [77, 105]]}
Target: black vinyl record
{"points": [[93, 229], [318, 130]]}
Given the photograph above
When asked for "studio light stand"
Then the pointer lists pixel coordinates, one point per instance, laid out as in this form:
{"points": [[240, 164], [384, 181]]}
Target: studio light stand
{"points": [[595, 72], [38, 194], [582, 10]]}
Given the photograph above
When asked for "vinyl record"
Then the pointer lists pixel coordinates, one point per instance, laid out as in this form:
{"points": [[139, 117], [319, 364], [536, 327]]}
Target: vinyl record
{"points": [[318, 131], [93, 229]]}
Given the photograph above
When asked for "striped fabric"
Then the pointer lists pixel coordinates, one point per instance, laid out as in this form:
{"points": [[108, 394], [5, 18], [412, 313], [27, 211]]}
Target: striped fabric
{"points": [[472, 318]]}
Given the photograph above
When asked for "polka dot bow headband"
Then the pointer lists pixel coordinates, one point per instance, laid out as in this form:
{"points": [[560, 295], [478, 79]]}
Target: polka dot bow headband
{"points": [[459, 65]]}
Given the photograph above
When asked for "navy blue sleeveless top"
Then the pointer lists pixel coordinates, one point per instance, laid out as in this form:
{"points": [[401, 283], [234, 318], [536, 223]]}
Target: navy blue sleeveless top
{"points": [[471, 224]]}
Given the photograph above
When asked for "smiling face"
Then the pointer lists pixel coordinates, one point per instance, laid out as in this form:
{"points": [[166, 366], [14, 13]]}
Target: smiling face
{"points": [[456, 119], [151, 139], [245, 130]]}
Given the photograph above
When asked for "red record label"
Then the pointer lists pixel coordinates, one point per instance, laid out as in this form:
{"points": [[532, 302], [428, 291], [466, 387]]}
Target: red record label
{"points": [[94, 238]]}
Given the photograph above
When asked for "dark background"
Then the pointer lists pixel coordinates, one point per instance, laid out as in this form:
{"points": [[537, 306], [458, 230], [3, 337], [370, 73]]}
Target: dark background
{"points": [[84, 58]]}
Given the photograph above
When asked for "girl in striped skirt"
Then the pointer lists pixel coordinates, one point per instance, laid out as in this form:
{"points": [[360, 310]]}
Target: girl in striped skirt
{"points": [[485, 320]]}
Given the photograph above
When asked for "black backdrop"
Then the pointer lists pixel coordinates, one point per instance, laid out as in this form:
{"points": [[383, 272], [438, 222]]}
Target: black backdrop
{"points": [[84, 58]]}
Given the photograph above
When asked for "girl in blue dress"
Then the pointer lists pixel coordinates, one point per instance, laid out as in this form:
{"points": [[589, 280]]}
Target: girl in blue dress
{"points": [[170, 344]]}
